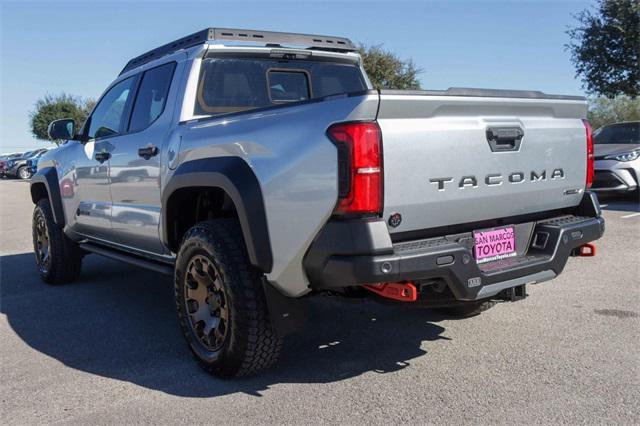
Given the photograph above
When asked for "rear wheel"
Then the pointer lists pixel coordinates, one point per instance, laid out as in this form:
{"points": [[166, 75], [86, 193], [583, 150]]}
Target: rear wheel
{"points": [[24, 173], [58, 258], [221, 302]]}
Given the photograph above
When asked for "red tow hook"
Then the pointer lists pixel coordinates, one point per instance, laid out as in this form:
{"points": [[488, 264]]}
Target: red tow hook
{"points": [[403, 292], [587, 250]]}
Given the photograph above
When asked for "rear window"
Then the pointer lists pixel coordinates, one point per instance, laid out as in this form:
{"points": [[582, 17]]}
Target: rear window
{"points": [[240, 84]]}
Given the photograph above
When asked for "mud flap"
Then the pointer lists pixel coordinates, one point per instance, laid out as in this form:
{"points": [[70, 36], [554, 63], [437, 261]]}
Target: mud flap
{"points": [[288, 314]]}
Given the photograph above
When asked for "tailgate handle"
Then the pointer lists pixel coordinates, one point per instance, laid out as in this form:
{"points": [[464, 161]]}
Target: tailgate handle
{"points": [[503, 139]]}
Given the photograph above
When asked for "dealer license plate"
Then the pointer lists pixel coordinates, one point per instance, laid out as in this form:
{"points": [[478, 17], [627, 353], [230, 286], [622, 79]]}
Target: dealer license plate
{"points": [[494, 244]]}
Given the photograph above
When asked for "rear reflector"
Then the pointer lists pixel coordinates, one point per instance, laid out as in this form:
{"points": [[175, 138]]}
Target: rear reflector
{"points": [[587, 250], [359, 166], [590, 165]]}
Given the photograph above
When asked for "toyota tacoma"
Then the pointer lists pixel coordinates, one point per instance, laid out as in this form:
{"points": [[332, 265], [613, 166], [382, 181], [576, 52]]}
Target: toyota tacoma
{"points": [[261, 168]]}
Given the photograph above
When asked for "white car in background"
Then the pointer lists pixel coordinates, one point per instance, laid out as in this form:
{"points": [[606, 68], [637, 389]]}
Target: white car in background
{"points": [[617, 158]]}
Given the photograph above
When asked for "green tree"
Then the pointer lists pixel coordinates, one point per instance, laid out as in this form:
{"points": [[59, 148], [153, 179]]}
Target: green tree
{"points": [[605, 48], [55, 107], [387, 71], [603, 110]]}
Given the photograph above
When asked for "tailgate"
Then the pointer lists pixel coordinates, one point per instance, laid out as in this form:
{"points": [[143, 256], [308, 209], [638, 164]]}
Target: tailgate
{"points": [[452, 158]]}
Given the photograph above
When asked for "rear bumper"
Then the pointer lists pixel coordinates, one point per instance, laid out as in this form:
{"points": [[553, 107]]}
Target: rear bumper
{"points": [[13, 171], [355, 253]]}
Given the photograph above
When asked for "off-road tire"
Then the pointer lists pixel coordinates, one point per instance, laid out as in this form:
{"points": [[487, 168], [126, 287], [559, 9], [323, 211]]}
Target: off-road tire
{"points": [[24, 173], [65, 256], [250, 343], [467, 310]]}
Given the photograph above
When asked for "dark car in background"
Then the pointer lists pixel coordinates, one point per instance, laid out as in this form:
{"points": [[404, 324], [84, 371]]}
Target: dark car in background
{"points": [[18, 167], [4, 159], [617, 158]]}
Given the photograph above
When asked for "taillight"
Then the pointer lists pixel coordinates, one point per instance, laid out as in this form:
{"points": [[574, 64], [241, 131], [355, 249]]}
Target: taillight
{"points": [[590, 166], [359, 166]]}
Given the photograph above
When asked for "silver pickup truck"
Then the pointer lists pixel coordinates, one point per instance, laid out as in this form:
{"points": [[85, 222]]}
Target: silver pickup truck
{"points": [[260, 168]]}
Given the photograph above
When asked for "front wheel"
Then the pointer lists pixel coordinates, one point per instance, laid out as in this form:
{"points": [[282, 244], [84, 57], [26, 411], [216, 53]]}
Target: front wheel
{"points": [[221, 302], [58, 258]]}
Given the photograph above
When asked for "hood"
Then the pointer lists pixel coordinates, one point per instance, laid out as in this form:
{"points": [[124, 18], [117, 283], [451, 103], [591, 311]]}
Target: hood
{"points": [[601, 150]]}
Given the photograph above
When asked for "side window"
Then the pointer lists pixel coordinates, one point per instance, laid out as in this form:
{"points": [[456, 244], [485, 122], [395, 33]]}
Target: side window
{"points": [[152, 96], [230, 85], [108, 116], [288, 86]]}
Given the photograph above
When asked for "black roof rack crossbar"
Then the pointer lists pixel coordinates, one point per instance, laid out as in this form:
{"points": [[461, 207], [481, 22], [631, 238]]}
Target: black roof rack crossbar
{"points": [[316, 42], [182, 43]]}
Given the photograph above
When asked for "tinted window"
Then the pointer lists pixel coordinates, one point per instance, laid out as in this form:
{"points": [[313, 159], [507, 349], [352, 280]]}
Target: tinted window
{"points": [[628, 133], [108, 116], [288, 86], [152, 96], [229, 84]]}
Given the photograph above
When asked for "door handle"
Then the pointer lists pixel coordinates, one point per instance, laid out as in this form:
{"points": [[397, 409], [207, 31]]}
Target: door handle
{"points": [[102, 156], [148, 152]]}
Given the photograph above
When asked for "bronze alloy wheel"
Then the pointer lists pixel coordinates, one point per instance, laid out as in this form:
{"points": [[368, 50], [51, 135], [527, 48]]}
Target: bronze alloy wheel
{"points": [[58, 259], [221, 302], [206, 302], [43, 246]]}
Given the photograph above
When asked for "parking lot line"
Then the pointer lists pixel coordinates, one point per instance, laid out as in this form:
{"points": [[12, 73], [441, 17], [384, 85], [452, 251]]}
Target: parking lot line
{"points": [[627, 216]]}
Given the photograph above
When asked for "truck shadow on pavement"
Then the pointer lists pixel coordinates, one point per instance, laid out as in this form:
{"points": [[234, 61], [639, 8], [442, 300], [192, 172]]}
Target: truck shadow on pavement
{"points": [[119, 322]]}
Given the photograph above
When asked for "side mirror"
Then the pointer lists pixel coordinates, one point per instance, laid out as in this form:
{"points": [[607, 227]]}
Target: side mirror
{"points": [[62, 129]]}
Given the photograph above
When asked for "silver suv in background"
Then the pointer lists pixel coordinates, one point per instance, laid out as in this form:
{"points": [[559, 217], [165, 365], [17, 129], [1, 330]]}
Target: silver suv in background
{"points": [[617, 158]]}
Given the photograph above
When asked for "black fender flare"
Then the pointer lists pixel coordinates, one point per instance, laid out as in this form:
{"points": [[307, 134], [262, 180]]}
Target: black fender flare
{"points": [[48, 176], [234, 176]]}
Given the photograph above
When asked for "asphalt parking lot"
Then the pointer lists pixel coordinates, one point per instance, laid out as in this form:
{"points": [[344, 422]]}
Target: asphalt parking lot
{"points": [[108, 349]]}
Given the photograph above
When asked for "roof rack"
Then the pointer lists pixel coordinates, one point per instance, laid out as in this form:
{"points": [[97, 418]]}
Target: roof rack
{"points": [[317, 42]]}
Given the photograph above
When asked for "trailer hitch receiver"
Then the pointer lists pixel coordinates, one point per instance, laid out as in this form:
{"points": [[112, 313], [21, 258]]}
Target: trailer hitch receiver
{"points": [[402, 291]]}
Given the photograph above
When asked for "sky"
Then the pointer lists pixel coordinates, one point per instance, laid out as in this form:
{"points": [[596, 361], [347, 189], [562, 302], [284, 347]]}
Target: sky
{"points": [[80, 47]]}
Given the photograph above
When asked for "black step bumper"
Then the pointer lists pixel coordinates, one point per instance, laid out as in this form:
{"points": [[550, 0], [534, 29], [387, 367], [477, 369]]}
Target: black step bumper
{"points": [[351, 253]]}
